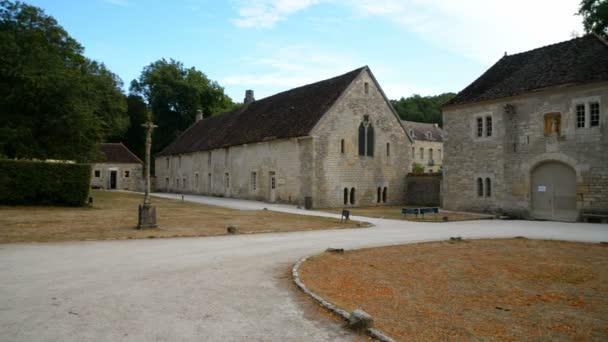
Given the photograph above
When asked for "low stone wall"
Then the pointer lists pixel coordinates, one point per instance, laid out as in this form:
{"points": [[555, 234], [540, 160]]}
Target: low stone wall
{"points": [[423, 189]]}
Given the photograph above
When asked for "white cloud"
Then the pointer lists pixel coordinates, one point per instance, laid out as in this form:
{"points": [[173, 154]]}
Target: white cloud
{"points": [[266, 13], [479, 29]]}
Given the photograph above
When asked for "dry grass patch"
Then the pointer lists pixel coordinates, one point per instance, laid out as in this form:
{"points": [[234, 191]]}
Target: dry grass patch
{"points": [[114, 216], [513, 290], [394, 213]]}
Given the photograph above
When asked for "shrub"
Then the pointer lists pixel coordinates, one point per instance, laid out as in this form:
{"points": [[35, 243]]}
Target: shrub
{"points": [[417, 168], [33, 182]]}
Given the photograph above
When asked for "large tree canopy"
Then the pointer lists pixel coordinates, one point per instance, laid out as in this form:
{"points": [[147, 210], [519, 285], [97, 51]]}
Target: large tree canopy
{"points": [[422, 108], [174, 94], [595, 16], [54, 102]]}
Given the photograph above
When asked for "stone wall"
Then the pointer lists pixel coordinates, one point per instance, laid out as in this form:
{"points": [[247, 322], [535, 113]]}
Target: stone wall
{"points": [[133, 182], [519, 144], [423, 189], [206, 172], [334, 171], [430, 163]]}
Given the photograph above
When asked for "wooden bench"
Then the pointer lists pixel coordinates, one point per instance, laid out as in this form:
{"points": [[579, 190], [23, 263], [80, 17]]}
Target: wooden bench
{"points": [[420, 211], [603, 218]]}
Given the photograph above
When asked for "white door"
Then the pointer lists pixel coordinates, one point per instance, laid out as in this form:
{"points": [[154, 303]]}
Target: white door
{"points": [[273, 186]]}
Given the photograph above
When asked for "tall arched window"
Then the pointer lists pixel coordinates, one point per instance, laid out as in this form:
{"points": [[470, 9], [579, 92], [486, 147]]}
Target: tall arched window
{"points": [[345, 196], [379, 195], [361, 139], [384, 194], [488, 187], [352, 196], [370, 140], [479, 187]]}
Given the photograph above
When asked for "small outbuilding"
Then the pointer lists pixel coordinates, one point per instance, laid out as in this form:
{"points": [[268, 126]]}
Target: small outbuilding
{"points": [[120, 169]]}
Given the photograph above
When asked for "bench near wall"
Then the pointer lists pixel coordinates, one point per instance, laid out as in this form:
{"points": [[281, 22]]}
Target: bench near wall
{"points": [[423, 189]]}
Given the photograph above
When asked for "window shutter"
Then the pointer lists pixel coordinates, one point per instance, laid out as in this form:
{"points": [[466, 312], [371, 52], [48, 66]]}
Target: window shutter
{"points": [[361, 140], [370, 141]]}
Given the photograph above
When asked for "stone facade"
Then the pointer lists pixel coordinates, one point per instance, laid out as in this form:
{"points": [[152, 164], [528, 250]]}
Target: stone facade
{"points": [[319, 166], [427, 150], [129, 176], [527, 131]]}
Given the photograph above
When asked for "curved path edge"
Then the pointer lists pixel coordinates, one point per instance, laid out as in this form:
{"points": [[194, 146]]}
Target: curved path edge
{"points": [[295, 272]]}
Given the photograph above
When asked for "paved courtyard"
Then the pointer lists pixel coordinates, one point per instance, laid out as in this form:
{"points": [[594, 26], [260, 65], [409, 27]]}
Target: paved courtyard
{"points": [[227, 288]]}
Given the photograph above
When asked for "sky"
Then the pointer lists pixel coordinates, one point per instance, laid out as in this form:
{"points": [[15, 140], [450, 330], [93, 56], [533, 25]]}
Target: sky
{"points": [[424, 47]]}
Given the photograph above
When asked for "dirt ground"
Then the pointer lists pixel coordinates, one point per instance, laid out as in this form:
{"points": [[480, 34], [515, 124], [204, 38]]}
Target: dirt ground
{"points": [[503, 290], [114, 216], [394, 212]]}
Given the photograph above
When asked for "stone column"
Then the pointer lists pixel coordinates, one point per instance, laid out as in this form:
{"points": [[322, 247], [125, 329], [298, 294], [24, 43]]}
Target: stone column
{"points": [[147, 212]]}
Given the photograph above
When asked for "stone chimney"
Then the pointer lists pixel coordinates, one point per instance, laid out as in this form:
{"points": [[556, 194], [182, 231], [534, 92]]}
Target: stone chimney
{"points": [[199, 115], [248, 97]]}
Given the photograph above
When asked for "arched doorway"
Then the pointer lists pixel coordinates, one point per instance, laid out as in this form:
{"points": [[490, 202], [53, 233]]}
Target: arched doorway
{"points": [[554, 192]]}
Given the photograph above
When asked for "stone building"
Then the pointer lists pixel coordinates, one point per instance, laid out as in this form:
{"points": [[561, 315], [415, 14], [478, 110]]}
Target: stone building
{"points": [[427, 150], [334, 143], [120, 169], [529, 136]]}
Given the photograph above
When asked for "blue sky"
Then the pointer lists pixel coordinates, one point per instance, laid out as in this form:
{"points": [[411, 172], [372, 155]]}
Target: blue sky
{"points": [[412, 46]]}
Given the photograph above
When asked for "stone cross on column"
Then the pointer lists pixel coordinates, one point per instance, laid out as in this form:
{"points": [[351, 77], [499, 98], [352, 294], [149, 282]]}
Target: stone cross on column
{"points": [[147, 212]]}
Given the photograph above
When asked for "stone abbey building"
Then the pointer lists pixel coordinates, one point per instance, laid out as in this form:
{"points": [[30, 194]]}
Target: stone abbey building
{"points": [[529, 137], [334, 143], [427, 150]]}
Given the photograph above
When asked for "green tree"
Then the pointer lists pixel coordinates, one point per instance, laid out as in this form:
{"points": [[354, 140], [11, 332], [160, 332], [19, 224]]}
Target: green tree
{"points": [[174, 94], [595, 16], [54, 102], [135, 138], [422, 108]]}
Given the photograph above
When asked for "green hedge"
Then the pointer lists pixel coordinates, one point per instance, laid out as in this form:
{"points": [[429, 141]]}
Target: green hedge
{"points": [[31, 182]]}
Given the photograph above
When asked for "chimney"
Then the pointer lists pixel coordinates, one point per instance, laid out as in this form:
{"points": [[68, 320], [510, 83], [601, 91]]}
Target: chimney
{"points": [[199, 115], [248, 97]]}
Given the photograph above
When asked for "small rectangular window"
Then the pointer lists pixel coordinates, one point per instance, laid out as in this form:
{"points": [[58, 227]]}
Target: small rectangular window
{"points": [[254, 181], [580, 116], [488, 126], [421, 153], [127, 173], [413, 152], [97, 173], [594, 114], [439, 154], [388, 149], [342, 146], [168, 163], [366, 87], [431, 154], [480, 127]]}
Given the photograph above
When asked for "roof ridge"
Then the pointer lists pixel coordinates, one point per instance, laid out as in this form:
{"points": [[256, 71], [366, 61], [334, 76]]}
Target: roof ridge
{"points": [[549, 45]]}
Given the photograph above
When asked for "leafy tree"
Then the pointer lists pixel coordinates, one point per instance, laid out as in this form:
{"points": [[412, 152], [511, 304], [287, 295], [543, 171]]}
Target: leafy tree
{"points": [[54, 102], [422, 108], [174, 94], [135, 137], [595, 16]]}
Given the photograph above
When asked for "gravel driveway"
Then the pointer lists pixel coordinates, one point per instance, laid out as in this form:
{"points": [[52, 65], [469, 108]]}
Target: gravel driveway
{"points": [[228, 288]]}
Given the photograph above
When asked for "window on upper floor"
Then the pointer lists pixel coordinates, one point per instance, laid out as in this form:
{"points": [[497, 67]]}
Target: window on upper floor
{"points": [[126, 174], [429, 136], [413, 152], [439, 154], [580, 115], [342, 146], [366, 87], [480, 127], [412, 133], [594, 114], [168, 163], [488, 126], [388, 149], [421, 153], [430, 153]]}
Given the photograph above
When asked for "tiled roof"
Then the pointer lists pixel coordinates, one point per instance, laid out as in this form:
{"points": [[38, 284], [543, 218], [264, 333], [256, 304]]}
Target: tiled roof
{"points": [[118, 153], [421, 129], [577, 61], [289, 114]]}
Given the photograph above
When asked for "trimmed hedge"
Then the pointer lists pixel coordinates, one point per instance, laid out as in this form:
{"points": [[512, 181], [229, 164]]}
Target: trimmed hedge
{"points": [[24, 182]]}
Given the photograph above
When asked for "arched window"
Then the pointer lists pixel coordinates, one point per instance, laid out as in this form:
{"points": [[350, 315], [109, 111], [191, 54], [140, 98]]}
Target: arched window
{"points": [[370, 140], [342, 146], [361, 139], [479, 187], [352, 196], [488, 187], [384, 194], [345, 196], [379, 195]]}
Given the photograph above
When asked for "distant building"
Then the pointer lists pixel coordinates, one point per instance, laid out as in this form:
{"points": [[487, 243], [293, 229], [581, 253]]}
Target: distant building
{"points": [[333, 143], [529, 137], [120, 169], [427, 150]]}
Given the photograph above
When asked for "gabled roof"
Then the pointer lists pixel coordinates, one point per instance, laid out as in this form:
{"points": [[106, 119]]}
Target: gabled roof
{"points": [[293, 113], [118, 153], [577, 61], [421, 129]]}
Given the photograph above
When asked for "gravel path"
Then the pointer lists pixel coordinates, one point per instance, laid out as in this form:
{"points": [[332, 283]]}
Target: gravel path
{"points": [[228, 288]]}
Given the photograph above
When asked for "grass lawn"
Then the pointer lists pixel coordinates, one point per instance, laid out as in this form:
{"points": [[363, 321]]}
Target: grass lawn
{"points": [[394, 213], [510, 289], [114, 216]]}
